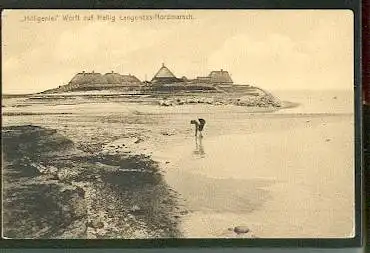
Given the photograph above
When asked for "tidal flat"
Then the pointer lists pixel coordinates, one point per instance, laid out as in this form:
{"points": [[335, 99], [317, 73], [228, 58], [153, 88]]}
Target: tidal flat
{"points": [[122, 167]]}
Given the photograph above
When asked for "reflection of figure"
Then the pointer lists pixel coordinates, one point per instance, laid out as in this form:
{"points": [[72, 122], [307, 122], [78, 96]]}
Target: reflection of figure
{"points": [[199, 149], [198, 126]]}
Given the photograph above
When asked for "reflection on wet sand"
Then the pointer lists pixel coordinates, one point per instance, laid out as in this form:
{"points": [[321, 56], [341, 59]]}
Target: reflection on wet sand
{"points": [[199, 148], [228, 195]]}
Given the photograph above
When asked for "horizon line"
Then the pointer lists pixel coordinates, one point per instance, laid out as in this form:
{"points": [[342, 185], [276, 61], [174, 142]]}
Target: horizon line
{"points": [[285, 89]]}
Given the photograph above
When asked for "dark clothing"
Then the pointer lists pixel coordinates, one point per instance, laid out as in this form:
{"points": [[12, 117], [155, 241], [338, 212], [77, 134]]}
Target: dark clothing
{"points": [[201, 125], [198, 126]]}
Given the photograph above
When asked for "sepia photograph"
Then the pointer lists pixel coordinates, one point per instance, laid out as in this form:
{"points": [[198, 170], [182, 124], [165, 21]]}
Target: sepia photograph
{"points": [[144, 124]]}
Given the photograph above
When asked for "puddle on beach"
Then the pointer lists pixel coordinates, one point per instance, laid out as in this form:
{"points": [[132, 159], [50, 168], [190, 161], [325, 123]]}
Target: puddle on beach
{"points": [[202, 193], [215, 202], [199, 148]]}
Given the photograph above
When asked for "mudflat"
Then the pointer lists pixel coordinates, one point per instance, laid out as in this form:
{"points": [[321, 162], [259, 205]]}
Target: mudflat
{"points": [[135, 170]]}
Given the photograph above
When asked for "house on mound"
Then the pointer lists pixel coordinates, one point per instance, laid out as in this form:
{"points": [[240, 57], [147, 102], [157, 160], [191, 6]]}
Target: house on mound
{"points": [[221, 77], [117, 80], [165, 81], [86, 81], [165, 76]]}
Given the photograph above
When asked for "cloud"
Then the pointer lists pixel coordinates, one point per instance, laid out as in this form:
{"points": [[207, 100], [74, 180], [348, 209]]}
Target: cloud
{"points": [[280, 61], [97, 46], [284, 50], [274, 59]]}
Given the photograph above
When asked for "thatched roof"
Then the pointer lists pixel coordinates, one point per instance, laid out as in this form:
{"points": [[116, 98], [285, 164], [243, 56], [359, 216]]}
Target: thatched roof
{"points": [[106, 79], [130, 79], [164, 72], [221, 76], [113, 78], [88, 78]]}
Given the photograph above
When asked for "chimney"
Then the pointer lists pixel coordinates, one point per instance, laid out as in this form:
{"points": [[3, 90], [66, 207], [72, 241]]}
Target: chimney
{"points": [[93, 71], [112, 71], [222, 70]]}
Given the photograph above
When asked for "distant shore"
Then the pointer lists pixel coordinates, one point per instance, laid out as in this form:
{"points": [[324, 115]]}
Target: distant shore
{"points": [[267, 101]]}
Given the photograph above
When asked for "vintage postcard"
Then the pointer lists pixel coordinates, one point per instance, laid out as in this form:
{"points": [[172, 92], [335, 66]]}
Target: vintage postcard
{"points": [[140, 124]]}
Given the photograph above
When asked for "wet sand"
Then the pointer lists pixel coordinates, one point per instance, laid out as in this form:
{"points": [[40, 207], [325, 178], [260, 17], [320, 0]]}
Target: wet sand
{"points": [[258, 169], [281, 174], [287, 183]]}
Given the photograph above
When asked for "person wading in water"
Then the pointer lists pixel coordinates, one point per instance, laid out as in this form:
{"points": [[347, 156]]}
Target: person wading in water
{"points": [[198, 126]]}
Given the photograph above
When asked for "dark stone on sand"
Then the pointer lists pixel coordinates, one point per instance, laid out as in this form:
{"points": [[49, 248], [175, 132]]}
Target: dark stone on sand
{"points": [[80, 192], [167, 133], [95, 224], [241, 229], [327, 140], [138, 140]]}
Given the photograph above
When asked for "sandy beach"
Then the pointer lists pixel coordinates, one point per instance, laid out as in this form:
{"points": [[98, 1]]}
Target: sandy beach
{"points": [[270, 182], [286, 173]]}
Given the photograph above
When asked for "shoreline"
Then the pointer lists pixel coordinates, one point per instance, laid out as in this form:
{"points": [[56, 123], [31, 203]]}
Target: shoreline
{"points": [[163, 137], [178, 156], [261, 101], [169, 150]]}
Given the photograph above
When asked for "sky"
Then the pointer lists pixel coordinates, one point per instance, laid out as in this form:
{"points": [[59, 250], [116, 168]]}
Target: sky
{"points": [[271, 49]]}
